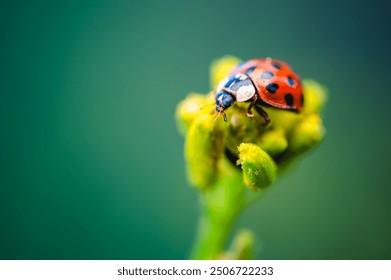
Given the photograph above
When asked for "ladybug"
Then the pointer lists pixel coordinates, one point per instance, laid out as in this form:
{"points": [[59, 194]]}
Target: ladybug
{"points": [[263, 81]]}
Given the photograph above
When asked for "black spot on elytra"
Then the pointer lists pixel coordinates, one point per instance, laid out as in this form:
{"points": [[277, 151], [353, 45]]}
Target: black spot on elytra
{"points": [[289, 99], [276, 65], [272, 87], [250, 70], [267, 75]]}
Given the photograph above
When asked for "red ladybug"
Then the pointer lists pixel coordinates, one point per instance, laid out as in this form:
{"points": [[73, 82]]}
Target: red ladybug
{"points": [[262, 81]]}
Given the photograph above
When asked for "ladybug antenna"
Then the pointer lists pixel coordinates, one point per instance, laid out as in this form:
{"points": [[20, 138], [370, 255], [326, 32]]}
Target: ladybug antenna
{"points": [[218, 115]]}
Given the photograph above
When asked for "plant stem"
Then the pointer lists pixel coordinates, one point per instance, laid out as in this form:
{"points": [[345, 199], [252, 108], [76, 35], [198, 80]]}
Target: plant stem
{"points": [[221, 205]]}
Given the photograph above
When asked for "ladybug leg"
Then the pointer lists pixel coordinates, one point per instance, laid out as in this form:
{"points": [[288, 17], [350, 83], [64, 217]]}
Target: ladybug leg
{"points": [[253, 101], [263, 114], [218, 114], [249, 113]]}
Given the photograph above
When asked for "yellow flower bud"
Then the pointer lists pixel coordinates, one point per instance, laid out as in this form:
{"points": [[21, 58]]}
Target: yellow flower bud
{"points": [[188, 109], [220, 68], [259, 170], [273, 142], [203, 149], [315, 96], [307, 133]]}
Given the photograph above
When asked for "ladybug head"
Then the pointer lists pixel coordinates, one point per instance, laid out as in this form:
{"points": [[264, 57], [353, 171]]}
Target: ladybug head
{"points": [[224, 100], [238, 87]]}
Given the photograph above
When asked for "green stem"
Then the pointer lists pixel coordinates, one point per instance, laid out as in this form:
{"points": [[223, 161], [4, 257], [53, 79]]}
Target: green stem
{"points": [[221, 204], [212, 236]]}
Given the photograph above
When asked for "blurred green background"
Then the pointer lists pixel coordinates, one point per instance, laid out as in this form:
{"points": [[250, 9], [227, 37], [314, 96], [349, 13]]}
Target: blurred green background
{"points": [[91, 160]]}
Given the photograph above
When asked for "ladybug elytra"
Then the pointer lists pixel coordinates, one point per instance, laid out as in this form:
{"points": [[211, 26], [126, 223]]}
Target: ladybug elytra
{"points": [[262, 81]]}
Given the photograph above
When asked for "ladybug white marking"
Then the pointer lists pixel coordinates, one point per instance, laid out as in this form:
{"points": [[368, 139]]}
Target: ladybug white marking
{"points": [[241, 76], [244, 93], [221, 85]]}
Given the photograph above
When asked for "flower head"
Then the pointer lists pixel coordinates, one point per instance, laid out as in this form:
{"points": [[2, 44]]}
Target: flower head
{"points": [[231, 162], [259, 150]]}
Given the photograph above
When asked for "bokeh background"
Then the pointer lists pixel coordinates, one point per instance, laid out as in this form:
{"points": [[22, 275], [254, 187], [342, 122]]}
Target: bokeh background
{"points": [[91, 160]]}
